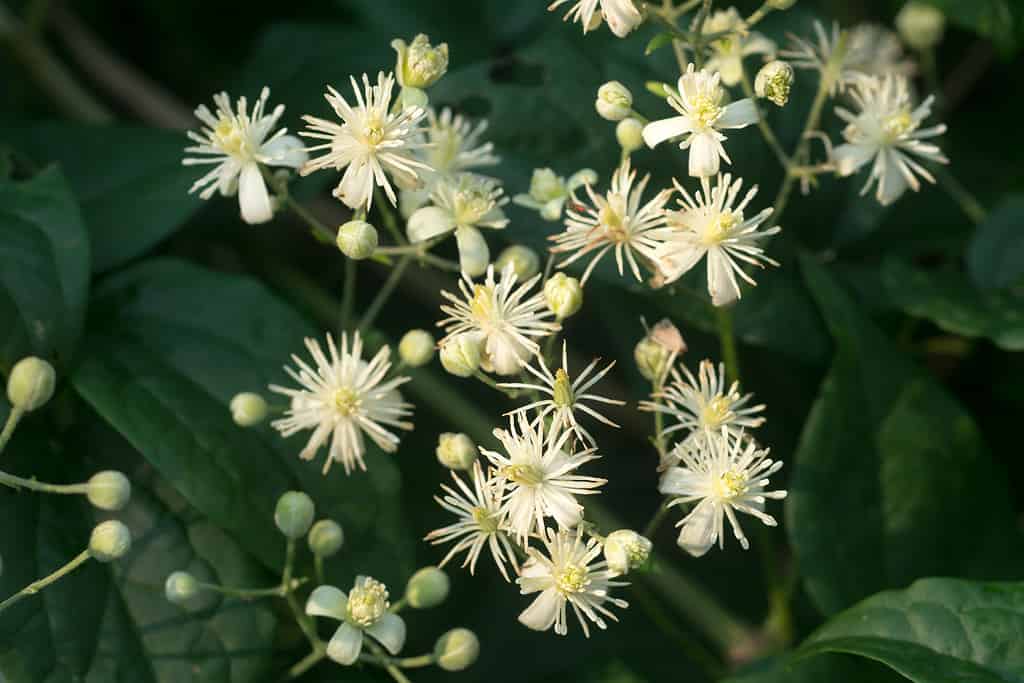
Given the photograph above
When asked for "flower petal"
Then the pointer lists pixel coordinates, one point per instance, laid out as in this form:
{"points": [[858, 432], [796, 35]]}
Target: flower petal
{"points": [[657, 132], [849, 158], [739, 114], [541, 614], [429, 222], [389, 631], [327, 601], [704, 160], [473, 252], [699, 531], [345, 645], [252, 195], [286, 150]]}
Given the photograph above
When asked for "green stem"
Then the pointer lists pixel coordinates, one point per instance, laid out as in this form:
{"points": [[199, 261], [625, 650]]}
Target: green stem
{"points": [[388, 217], [762, 122], [398, 605], [656, 520], [404, 663], [9, 426], [42, 583], [308, 662], [395, 672], [247, 593], [698, 39], [967, 202], [16, 482], [385, 292], [511, 393], [318, 569], [320, 231], [348, 295], [727, 338], [764, 10]]}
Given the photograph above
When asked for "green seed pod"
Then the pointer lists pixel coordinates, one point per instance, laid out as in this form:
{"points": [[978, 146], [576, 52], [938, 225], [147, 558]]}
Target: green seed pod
{"points": [[109, 541], [248, 409], [427, 588], [416, 348], [109, 490], [457, 649], [180, 587], [294, 514], [31, 383], [326, 538]]}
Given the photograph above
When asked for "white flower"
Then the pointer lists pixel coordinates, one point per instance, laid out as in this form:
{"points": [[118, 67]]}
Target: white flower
{"points": [[625, 550], [887, 131], [341, 398], [565, 396], [539, 477], [363, 610], [622, 16], [710, 225], [702, 117], [462, 204], [566, 574], [728, 51], [549, 192], [723, 474], [506, 316], [875, 50], [237, 142], [480, 522], [371, 141], [454, 145], [615, 221]]}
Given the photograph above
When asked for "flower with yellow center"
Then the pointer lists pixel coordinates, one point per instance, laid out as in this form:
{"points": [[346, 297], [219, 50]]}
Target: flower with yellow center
{"points": [[702, 117], [568, 573], [342, 398], [615, 221], [364, 611], [886, 132], [480, 522], [564, 396], [723, 474]]}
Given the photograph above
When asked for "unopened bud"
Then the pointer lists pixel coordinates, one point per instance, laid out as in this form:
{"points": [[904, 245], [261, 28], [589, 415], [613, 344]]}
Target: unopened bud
{"points": [[326, 538], [108, 490], [416, 348], [248, 409], [629, 133], [109, 541], [774, 81], [31, 383], [180, 587], [461, 355], [524, 260], [625, 549], [456, 451], [614, 101], [563, 294], [357, 239], [545, 185], [294, 514], [427, 588], [419, 64], [457, 649], [920, 25]]}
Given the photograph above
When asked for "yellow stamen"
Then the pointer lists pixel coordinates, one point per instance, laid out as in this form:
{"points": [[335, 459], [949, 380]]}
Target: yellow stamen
{"points": [[527, 475], [572, 579], [562, 390], [719, 227], [346, 401], [730, 485]]}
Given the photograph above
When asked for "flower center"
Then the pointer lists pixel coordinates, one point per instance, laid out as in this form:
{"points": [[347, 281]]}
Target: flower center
{"points": [[526, 475], [730, 485], [571, 579], [898, 124], [612, 219], [346, 401], [228, 137], [447, 144], [719, 227], [705, 110], [563, 396], [715, 412], [471, 205], [373, 131], [367, 603], [482, 303], [487, 522]]}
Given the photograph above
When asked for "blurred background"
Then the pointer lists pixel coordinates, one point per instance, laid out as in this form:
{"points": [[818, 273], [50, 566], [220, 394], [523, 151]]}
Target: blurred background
{"points": [[876, 299]]}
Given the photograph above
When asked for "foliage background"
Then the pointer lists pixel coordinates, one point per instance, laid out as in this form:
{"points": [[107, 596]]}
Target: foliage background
{"points": [[884, 346]]}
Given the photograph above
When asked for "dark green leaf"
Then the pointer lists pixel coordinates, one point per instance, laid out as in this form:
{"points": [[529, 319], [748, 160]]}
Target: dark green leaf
{"points": [[892, 480], [44, 268], [1001, 21], [995, 256]]}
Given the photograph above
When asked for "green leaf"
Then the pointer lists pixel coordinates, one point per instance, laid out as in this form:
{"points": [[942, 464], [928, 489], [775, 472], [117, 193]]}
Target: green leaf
{"points": [[935, 631], [995, 256], [170, 346], [955, 305], [892, 479], [1000, 21], [130, 181], [44, 268]]}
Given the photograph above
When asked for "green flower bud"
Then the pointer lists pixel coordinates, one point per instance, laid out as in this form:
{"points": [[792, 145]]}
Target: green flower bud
{"points": [[427, 588], [357, 240], [457, 649], [774, 81], [921, 25], [180, 587], [625, 549], [416, 348], [31, 383], [413, 97], [629, 133], [108, 490], [326, 538], [248, 409], [614, 101], [294, 514], [525, 262], [461, 355], [456, 451], [652, 353], [418, 64], [564, 295], [109, 541]]}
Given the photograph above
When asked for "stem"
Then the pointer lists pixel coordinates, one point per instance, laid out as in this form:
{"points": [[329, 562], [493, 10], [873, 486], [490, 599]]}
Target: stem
{"points": [[388, 216], [348, 295], [762, 121], [42, 583], [723, 319], [304, 621], [967, 202], [511, 393], [246, 593], [320, 231], [318, 569], [16, 482], [698, 39], [711, 666], [398, 605], [656, 520], [390, 668], [385, 292], [308, 662], [9, 426], [404, 663], [764, 10]]}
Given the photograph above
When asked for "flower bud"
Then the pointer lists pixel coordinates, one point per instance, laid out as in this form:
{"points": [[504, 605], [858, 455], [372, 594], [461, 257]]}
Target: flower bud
{"points": [[780, 5], [419, 64], [109, 541], [653, 353], [563, 294], [357, 239], [294, 514], [524, 260], [614, 101], [248, 409], [456, 451], [545, 185], [625, 549], [180, 587], [427, 588], [461, 355], [416, 348], [629, 134], [774, 81], [920, 25], [457, 649], [410, 97], [108, 490], [31, 383], [326, 538]]}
